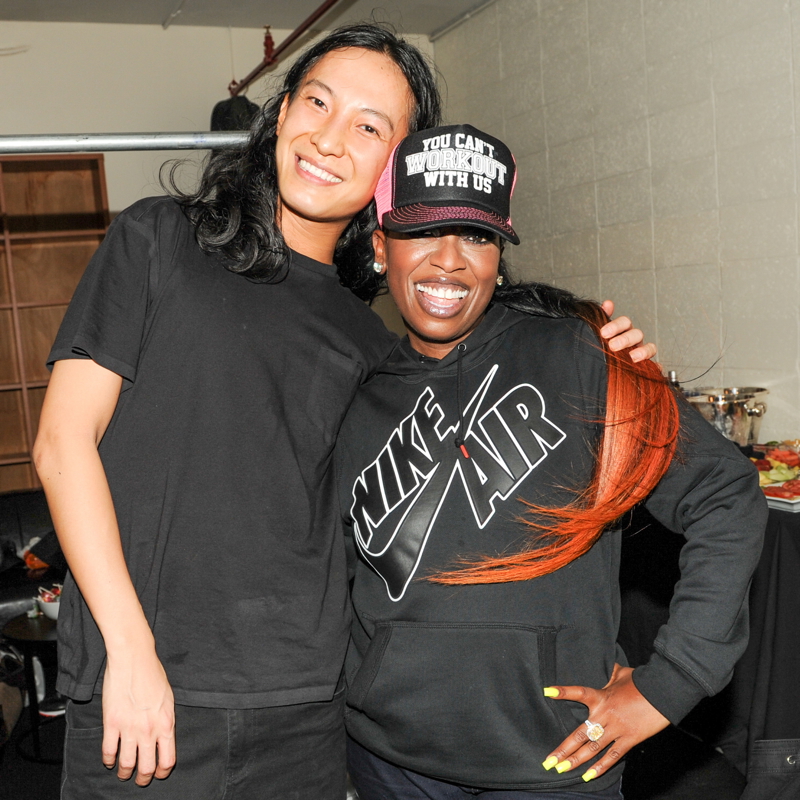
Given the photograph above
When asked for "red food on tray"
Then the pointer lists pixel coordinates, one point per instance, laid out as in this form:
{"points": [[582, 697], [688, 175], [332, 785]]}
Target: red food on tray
{"points": [[788, 457], [777, 491], [783, 492]]}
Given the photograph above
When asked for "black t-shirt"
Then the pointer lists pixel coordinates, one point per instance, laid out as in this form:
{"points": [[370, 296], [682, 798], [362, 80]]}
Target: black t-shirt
{"points": [[219, 460]]}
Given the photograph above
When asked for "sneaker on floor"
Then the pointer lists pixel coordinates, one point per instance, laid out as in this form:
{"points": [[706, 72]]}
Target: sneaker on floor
{"points": [[53, 706]]}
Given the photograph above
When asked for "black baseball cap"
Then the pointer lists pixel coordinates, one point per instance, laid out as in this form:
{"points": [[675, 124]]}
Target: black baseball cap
{"points": [[451, 175]]}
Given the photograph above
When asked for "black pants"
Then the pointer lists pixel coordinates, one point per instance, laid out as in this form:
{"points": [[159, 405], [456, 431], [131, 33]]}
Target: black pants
{"points": [[284, 753], [376, 779]]}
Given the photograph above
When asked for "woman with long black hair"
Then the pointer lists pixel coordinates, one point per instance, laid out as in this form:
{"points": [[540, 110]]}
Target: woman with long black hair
{"points": [[199, 380], [482, 468]]}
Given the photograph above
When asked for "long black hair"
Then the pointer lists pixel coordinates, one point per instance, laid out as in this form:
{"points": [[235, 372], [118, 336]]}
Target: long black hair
{"points": [[235, 206]]}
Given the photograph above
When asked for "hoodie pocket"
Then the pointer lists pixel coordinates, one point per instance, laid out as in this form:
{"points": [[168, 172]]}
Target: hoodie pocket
{"points": [[462, 701]]}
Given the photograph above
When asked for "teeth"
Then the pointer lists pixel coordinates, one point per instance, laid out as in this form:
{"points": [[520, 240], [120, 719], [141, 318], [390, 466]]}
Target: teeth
{"points": [[445, 292], [320, 173]]}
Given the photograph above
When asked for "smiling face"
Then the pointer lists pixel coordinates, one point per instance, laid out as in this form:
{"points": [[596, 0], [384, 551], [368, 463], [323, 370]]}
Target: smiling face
{"points": [[334, 139], [442, 281]]}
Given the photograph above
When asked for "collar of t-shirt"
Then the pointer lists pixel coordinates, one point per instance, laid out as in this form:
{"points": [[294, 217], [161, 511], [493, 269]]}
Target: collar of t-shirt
{"points": [[304, 262]]}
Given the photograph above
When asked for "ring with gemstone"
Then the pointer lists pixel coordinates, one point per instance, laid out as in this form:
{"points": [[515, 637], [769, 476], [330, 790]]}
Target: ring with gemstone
{"points": [[594, 730]]}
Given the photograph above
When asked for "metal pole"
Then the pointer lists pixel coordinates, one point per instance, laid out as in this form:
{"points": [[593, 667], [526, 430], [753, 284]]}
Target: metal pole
{"points": [[107, 142], [272, 56]]}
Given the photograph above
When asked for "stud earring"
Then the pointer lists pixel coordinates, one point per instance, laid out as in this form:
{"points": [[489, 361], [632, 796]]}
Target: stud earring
{"points": [[377, 267], [500, 280]]}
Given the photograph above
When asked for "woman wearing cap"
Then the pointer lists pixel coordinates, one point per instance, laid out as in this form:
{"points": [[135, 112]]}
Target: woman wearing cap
{"points": [[481, 469]]}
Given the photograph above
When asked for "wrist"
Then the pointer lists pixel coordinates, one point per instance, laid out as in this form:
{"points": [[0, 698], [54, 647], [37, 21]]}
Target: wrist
{"points": [[129, 643]]}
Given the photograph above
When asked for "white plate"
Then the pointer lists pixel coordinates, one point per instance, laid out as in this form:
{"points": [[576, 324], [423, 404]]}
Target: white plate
{"points": [[782, 503]]}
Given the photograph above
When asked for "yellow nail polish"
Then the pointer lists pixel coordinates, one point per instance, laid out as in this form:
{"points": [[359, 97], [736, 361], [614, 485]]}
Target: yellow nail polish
{"points": [[549, 691], [550, 763], [563, 766], [589, 775]]}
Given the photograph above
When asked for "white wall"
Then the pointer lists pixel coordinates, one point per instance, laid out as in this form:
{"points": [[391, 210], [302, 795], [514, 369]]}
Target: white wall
{"points": [[101, 78], [657, 150], [84, 78]]}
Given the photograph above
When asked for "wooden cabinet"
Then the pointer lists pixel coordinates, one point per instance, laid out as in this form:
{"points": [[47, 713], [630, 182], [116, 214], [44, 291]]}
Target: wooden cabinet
{"points": [[55, 214]]}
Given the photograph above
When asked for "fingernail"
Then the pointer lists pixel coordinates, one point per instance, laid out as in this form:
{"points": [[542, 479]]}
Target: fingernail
{"points": [[563, 766], [549, 691], [550, 763], [589, 775]]}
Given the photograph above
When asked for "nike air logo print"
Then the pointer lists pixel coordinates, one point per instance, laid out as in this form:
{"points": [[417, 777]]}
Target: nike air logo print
{"points": [[397, 498]]}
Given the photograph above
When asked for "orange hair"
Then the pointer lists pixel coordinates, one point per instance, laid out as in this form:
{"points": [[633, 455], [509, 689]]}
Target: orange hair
{"points": [[638, 442]]}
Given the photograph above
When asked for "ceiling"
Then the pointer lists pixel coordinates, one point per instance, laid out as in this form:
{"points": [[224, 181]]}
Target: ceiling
{"points": [[408, 16]]}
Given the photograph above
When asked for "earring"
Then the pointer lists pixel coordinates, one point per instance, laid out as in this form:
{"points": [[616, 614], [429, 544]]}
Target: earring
{"points": [[377, 267], [500, 280]]}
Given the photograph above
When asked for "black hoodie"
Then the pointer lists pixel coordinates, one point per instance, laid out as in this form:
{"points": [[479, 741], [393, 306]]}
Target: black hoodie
{"points": [[447, 681]]}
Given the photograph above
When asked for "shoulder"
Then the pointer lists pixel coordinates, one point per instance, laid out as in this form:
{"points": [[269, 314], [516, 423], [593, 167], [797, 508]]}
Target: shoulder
{"points": [[563, 351], [369, 334], [567, 333], [351, 326], [144, 242], [360, 317], [699, 439], [157, 223], [374, 338], [153, 213]]}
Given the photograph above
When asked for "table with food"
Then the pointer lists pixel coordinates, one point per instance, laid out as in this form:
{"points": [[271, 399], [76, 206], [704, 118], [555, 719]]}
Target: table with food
{"points": [[778, 465]]}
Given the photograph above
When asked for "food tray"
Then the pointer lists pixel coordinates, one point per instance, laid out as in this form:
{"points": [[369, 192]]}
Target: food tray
{"points": [[790, 458], [782, 504]]}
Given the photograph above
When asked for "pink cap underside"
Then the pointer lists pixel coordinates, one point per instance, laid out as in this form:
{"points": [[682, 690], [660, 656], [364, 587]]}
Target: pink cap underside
{"points": [[385, 188], [514, 182], [422, 213]]}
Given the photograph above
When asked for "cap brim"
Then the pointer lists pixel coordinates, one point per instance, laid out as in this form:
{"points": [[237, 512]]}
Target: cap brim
{"points": [[421, 217]]}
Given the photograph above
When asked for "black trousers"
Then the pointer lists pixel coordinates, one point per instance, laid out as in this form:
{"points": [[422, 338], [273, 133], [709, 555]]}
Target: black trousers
{"points": [[376, 779], [283, 753]]}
